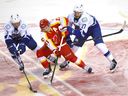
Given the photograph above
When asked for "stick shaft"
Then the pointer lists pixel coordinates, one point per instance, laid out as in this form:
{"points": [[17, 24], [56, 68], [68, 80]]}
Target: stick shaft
{"points": [[54, 70], [120, 31], [56, 60], [30, 86]]}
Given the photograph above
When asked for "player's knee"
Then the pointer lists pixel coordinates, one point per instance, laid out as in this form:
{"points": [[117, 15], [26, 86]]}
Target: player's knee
{"points": [[39, 53], [31, 44]]}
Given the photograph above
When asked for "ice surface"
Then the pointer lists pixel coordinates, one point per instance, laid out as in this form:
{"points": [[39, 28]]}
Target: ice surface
{"points": [[106, 11]]}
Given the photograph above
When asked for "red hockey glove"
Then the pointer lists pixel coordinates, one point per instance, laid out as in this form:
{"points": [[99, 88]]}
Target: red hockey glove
{"points": [[57, 52]]}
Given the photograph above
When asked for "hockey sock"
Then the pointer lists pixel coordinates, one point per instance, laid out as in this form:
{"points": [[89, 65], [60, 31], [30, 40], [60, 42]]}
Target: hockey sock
{"points": [[45, 64]]}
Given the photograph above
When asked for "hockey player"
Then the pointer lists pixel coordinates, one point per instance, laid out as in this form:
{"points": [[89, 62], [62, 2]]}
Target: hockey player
{"points": [[86, 25], [17, 38], [52, 34]]}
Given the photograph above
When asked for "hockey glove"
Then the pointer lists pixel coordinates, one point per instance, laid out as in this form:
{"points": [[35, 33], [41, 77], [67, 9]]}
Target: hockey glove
{"points": [[21, 48], [76, 32], [12, 49], [62, 28], [70, 30], [57, 52]]}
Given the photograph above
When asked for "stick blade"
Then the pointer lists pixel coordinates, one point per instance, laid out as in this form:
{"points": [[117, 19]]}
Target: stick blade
{"points": [[35, 91]]}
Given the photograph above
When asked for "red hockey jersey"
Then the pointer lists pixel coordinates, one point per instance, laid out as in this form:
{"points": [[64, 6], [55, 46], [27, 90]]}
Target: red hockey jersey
{"points": [[53, 37]]}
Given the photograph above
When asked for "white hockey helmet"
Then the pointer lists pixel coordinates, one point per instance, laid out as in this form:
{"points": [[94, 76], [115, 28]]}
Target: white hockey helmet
{"points": [[78, 8], [15, 18]]}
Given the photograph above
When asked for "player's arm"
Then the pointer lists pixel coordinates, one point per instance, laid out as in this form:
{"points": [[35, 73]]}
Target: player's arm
{"points": [[8, 38], [23, 29], [63, 26], [8, 34], [50, 44]]}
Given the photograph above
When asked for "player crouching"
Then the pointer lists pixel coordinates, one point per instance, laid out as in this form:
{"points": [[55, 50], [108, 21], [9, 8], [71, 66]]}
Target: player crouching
{"points": [[53, 36]]}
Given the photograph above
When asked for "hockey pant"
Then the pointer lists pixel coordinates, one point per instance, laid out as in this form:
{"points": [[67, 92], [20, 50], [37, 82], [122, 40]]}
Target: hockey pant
{"points": [[42, 55], [65, 51], [29, 42]]}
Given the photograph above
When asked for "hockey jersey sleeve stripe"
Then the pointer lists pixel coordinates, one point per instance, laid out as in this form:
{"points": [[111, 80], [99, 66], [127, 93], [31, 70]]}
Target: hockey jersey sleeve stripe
{"points": [[64, 23], [55, 23]]}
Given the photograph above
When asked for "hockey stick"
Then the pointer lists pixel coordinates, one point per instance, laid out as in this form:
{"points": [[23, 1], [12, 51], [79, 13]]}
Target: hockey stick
{"points": [[21, 63], [30, 86], [56, 60], [54, 70], [120, 31]]}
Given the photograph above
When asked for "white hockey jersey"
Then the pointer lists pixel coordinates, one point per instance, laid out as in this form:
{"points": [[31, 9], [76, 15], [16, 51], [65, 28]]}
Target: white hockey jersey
{"points": [[84, 22], [11, 32]]}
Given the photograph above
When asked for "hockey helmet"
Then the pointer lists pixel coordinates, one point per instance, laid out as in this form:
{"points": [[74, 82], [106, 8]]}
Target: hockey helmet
{"points": [[44, 23], [15, 18], [78, 8]]}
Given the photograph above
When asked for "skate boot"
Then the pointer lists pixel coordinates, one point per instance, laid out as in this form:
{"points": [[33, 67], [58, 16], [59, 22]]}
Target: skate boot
{"points": [[46, 73], [113, 65], [64, 64], [88, 69]]}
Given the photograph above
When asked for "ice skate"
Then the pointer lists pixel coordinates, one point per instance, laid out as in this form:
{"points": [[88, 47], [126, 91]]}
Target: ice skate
{"points": [[46, 73], [88, 69], [113, 65], [64, 65]]}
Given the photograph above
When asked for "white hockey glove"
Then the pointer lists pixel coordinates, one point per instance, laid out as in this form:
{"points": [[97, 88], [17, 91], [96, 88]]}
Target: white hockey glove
{"points": [[63, 28]]}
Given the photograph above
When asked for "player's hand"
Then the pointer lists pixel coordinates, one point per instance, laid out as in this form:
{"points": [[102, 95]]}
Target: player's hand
{"points": [[63, 29], [12, 49], [70, 30], [21, 48], [57, 52]]}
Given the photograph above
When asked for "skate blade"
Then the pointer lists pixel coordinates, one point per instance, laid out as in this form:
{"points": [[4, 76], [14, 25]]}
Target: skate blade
{"points": [[114, 70], [64, 69], [86, 72], [91, 72], [47, 76]]}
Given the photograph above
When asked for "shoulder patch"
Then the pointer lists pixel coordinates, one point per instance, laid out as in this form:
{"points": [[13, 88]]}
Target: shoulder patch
{"points": [[23, 26], [7, 26], [84, 19]]}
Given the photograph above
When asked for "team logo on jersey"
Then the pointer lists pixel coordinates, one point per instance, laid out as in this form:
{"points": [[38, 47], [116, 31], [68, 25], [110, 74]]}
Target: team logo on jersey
{"points": [[84, 19], [7, 26], [23, 26], [55, 39]]}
